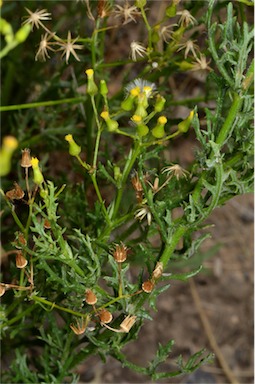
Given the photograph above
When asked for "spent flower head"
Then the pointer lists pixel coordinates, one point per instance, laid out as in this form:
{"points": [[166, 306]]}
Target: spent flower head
{"points": [[201, 64], [80, 326], [186, 18], [36, 18], [189, 46], [127, 13], [137, 49], [143, 212], [166, 32], [175, 170], [103, 8], [68, 47], [44, 46]]}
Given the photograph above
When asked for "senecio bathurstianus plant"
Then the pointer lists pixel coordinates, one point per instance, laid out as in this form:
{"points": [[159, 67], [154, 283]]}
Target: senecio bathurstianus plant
{"points": [[69, 292]]}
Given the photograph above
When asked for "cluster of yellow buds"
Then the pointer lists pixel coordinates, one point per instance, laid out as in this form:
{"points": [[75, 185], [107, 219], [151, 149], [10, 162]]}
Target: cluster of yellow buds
{"points": [[138, 93]]}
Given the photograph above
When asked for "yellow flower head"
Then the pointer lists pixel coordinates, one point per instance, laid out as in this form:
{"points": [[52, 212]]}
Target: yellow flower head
{"points": [[34, 162], [136, 118], [135, 91], [105, 115], [89, 72], [162, 120], [69, 138]]}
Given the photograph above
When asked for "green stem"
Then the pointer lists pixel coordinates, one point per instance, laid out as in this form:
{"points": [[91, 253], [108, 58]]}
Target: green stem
{"points": [[53, 305], [8, 48], [221, 138], [128, 166], [226, 128], [216, 195], [15, 217], [18, 317], [73, 100], [94, 44], [170, 247], [94, 181], [148, 29]]}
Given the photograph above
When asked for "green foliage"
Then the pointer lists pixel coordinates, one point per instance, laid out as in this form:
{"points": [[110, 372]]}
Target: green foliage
{"points": [[101, 224]]}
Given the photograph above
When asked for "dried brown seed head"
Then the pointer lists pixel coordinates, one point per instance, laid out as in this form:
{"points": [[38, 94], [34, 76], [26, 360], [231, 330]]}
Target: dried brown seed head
{"points": [[46, 224], [105, 316], [15, 194], [103, 8], [120, 253], [90, 297], [26, 159], [127, 323], [20, 240], [21, 261], [80, 326], [147, 286], [158, 270], [137, 185]]}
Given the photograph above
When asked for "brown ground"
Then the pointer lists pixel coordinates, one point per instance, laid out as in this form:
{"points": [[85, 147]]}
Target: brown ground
{"points": [[225, 290]]}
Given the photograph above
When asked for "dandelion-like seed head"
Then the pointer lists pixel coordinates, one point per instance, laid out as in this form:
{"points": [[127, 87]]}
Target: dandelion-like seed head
{"points": [[137, 50], [68, 47], [186, 18], [36, 18], [44, 46], [201, 64], [175, 170], [127, 13], [189, 46], [166, 32]]}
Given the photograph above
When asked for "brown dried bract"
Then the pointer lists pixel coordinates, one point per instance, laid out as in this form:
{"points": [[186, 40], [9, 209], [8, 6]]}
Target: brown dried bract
{"points": [[105, 316], [158, 270], [120, 253], [147, 286], [90, 297], [127, 323], [26, 158], [20, 240], [15, 194], [21, 261]]}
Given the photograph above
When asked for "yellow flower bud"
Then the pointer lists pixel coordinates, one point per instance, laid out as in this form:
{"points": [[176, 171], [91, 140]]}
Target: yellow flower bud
{"points": [[184, 125], [142, 129], [38, 177], [160, 102], [103, 88], [112, 125], [92, 87], [105, 115], [89, 73], [74, 149], [159, 130]]}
